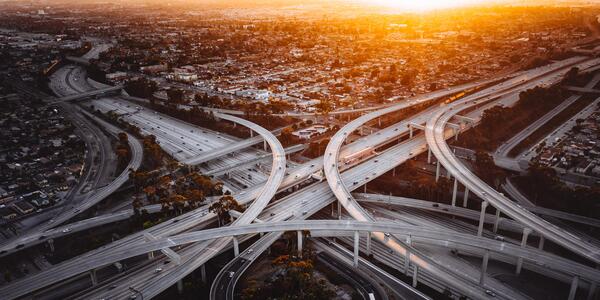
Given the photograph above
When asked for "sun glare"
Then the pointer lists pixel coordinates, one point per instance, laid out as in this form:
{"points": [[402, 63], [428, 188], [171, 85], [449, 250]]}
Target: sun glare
{"points": [[423, 5]]}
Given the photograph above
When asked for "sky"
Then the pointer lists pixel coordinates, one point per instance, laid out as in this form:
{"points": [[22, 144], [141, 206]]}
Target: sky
{"points": [[422, 5]]}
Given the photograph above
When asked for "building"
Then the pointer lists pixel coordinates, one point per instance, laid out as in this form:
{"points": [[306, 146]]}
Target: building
{"points": [[23, 207], [8, 213]]}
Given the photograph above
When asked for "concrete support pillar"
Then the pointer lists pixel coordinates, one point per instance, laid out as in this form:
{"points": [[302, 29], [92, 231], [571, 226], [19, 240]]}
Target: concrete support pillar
{"points": [[454, 190], [541, 244], [573, 290], [497, 220], [365, 188], [265, 145], [379, 121], [484, 205], [94, 277], [428, 155], [332, 209], [592, 291], [339, 210], [51, 244], [437, 171], [368, 243], [456, 132], [394, 172], [180, 286], [203, 273], [406, 262], [466, 197], [484, 264], [410, 131], [251, 133], [526, 232], [408, 254], [299, 235], [236, 247], [356, 248], [151, 255], [415, 274], [361, 130]]}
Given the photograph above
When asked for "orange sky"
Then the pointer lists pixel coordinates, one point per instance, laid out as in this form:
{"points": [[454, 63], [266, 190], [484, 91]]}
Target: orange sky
{"points": [[423, 5]]}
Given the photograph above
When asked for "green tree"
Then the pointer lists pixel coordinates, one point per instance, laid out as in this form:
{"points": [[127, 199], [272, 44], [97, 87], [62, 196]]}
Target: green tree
{"points": [[222, 207]]}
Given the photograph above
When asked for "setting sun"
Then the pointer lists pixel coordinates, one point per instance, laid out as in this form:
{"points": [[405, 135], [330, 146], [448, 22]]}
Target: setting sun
{"points": [[424, 5]]}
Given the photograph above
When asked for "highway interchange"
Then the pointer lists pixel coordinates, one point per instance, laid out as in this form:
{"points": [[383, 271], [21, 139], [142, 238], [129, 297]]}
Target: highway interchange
{"points": [[188, 242]]}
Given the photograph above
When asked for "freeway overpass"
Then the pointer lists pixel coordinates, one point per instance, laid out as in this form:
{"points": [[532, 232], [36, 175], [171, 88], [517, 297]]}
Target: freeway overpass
{"points": [[321, 196], [436, 134], [583, 90], [86, 95]]}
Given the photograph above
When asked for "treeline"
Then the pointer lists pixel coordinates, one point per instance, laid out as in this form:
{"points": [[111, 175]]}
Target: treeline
{"points": [[543, 187], [499, 123], [123, 152]]}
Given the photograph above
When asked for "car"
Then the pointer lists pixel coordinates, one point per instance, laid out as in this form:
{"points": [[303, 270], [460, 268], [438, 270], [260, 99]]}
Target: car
{"points": [[377, 160], [411, 153], [66, 230], [231, 274], [499, 238], [490, 293], [158, 270], [250, 251], [436, 205], [356, 182], [304, 212], [387, 234], [112, 287], [166, 262], [42, 237], [19, 246]]}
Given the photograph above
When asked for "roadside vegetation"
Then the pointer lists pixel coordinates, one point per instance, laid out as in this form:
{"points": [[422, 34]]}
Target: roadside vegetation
{"points": [[543, 187], [292, 277], [498, 124]]}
